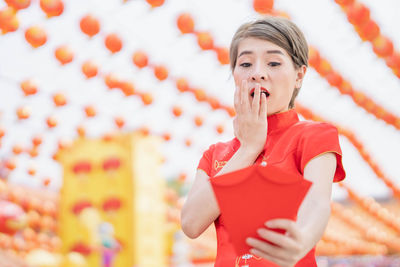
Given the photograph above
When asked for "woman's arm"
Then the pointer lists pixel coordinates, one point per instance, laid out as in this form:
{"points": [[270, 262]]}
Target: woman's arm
{"points": [[312, 219], [201, 208]]}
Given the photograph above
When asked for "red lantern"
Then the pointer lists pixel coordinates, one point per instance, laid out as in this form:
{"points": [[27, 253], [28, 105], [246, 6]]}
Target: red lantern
{"points": [[23, 113], [112, 204], [358, 14], [369, 31], [112, 80], [214, 103], [64, 55], [140, 59], [161, 72], [182, 85], [8, 20], [90, 111], [52, 7], [324, 68], [382, 46], [18, 4], [185, 23], [198, 120], [334, 79], [82, 167], [29, 87], [35, 36], [263, 6], [223, 55], [51, 122], [59, 99], [147, 98], [82, 249], [393, 61], [80, 206], [90, 25], [155, 3], [37, 140], [177, 111], [119, 121], [127, 88], [205, 40], [113, 43], [89, 69], [112, 163]]}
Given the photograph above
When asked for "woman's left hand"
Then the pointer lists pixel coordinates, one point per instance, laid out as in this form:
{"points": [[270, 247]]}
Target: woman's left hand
{"points": [[290, 247]]}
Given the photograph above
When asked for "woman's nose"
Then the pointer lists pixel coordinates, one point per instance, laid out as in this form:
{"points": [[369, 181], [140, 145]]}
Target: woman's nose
{"points": [[258, 77]]}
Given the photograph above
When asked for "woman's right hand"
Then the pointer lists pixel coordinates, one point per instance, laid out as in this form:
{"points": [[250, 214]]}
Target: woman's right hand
{"points": [[250, 124]]}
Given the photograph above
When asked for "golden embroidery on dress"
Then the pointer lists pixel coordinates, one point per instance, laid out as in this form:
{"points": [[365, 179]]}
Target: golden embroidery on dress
{"points": [[219, 164]]}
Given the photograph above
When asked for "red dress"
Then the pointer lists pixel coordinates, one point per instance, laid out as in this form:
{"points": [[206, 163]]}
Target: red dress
{"points": [[290, 145]]}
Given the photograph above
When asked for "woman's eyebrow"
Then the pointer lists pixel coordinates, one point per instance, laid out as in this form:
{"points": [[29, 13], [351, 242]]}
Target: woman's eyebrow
{"points": [[247, 52]]}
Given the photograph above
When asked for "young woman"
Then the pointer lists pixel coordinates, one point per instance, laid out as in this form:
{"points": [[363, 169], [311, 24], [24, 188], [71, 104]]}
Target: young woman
{"points": [[269, 58]]}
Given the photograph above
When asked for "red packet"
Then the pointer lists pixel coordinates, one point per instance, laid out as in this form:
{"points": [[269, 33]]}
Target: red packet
{"points": [[249, 197]]}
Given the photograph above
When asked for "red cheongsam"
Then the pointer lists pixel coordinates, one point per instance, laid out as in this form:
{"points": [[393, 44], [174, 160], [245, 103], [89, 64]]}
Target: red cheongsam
{"points": [[290, 145]]}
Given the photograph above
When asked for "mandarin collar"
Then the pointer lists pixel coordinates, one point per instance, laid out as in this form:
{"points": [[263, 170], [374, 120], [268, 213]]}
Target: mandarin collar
{"points": [[282, 120]]}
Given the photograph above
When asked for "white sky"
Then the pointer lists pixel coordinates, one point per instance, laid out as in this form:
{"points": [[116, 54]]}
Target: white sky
{"points": [[155, 31]]}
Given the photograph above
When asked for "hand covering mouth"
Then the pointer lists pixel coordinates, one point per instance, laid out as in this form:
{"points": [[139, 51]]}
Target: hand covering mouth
{"points": [[263, 91]]}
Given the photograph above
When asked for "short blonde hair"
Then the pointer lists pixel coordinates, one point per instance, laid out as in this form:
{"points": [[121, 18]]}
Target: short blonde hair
{"points": [[279, 31]]}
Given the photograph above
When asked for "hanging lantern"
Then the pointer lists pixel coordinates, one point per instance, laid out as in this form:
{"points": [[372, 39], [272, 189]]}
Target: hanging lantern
{"points": [[231, 111], [33, 152], [182, 85], [140, 59], [185, 23], [223, 55], [200, 95], [205, 40], [89, 69], [147, 98], [382, 46], [113, 43], [214, 103], [11, 164], [198, 120], [144, 130], [188, 142], [8, 20], [52, 8], [81, 131], [127, 88], [324, 68], [358, 14], [119, 121], [393, 61], [166, 136], [155, 3], [314, 58], [51, 122], [46, 182], [23, 113], [18, 4], [177, 111], [90, 25], [32, 171], [220, 129], [35, 36], [111, 164], [64, 54], [37, 140], [90, 111], [29, 87], [82, 166], [112, 80], [112, 205], [17, 149], [369, 31], [59, 99], [161, 72], [334, 79], [263, 6]]}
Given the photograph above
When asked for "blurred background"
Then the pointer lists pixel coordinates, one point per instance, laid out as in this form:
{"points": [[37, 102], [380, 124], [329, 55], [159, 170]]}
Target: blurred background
{"points": [[107, 106]]}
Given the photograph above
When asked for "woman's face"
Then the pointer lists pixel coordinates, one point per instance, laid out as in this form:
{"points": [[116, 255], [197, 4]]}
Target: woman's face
{"points": [[262, 62]]}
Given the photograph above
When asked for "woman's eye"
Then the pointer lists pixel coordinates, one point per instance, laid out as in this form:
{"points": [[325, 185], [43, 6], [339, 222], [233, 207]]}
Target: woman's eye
{"points": [[274, 64], [245, 65]]}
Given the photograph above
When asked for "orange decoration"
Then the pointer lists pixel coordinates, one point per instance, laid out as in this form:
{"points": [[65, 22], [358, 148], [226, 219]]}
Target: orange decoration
{"points": [[263, 6], [29, 87], [81, 131], [393, 61], [51, 122], [46, 181], [314, 58], [334, 79], [18, 4], [89, 69], [382, 46], [167, 136], [220, 129], [177, 111], [155, 3], [90, 111], [23, 113], [324, 68], [17, 149], [11, 164], [188, 142], [140, 59], [32, 171], [200, 95], [358, 14], [37, 140], [90, 25], [127, 88], [64, 55], [33, 152], [2, 132], [161, 72], [52, 8], [59, 99], [185, 23], [147, 98], [182, 85], [344, 2], [35, 36], [144, 130], [369, 31], [8, 20], [113, 43], [231, 111], [198, 120], [205, 40], [112, 81], [119, 121], [223, 55], [214, 103]]}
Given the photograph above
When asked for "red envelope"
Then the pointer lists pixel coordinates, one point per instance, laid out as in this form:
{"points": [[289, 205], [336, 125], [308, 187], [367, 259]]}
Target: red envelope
{"points": [[249, 197]]}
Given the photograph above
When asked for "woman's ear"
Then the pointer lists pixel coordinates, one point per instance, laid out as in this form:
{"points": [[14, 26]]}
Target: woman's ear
{"points": [[301, 72]]}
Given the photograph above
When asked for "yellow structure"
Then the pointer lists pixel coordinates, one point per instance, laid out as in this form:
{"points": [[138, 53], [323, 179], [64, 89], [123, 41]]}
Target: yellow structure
{"points": [[118, 180]]}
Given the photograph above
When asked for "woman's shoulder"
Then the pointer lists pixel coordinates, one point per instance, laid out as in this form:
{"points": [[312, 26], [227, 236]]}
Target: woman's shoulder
{"points": [[309, 127], [223, 146]]}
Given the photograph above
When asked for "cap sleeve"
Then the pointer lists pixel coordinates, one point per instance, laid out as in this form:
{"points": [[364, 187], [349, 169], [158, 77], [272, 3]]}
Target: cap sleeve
{"points": [[205, 163], [319, 139]]}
